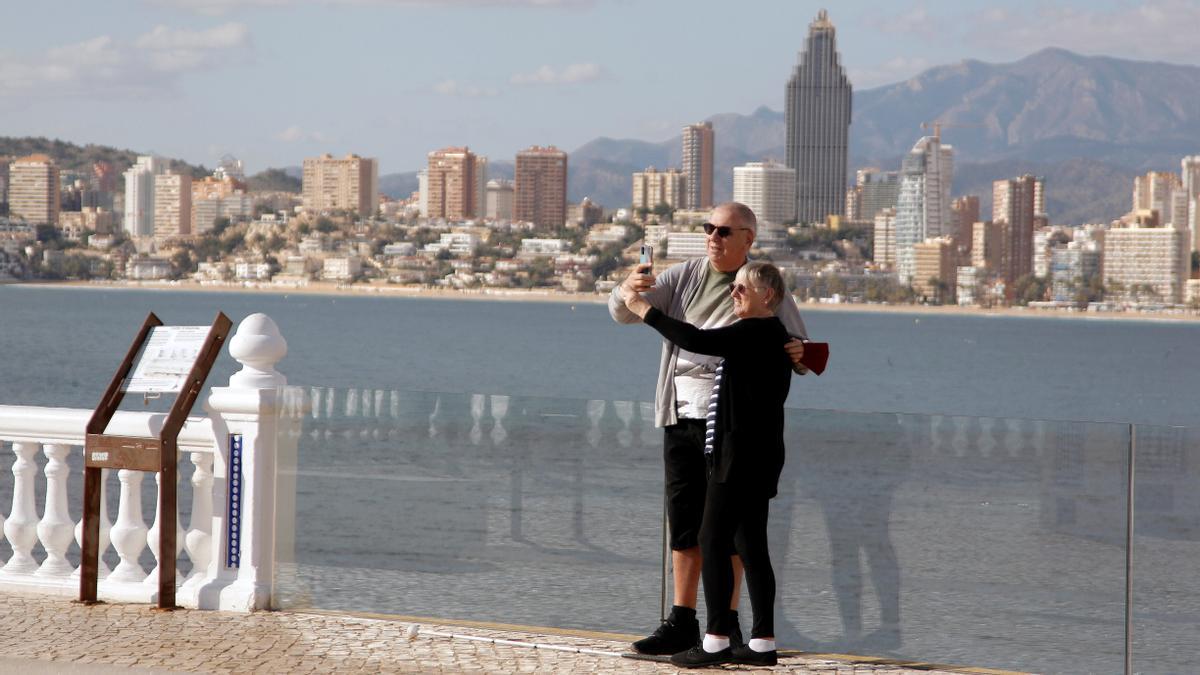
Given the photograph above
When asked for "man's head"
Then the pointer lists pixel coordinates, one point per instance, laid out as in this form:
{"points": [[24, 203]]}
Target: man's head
{"points": [[737, 222]]}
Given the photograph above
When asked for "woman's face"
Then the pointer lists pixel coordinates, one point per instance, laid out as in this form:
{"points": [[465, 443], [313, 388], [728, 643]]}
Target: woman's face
{"points": [[749, 300]]}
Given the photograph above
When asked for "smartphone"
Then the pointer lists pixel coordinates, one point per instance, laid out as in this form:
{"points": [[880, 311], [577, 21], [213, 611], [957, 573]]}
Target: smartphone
{"points": [[647, 255]]}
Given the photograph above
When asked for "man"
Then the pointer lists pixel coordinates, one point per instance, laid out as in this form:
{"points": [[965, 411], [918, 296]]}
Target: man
{"points": [[696, 291]]}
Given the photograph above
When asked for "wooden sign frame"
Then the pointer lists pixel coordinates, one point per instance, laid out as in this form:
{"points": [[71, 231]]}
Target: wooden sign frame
{"points": [[103, 451]]}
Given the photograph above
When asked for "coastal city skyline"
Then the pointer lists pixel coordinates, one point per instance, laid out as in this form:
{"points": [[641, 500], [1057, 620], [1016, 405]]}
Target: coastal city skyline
{"points": [[211, 65]]}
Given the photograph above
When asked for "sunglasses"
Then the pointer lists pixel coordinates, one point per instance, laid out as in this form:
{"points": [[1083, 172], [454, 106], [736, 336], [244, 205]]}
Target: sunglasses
{"points": [[722, 231], [739, 288]]}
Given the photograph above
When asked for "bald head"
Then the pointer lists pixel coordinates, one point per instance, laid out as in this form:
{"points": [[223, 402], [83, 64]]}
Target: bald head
{"points": [[738, 214]]}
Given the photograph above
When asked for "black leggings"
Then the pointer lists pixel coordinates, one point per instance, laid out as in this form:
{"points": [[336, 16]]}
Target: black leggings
{"points": [[735, 518]]}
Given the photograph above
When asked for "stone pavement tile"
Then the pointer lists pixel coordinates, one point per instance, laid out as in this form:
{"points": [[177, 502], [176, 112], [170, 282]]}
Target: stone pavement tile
{"points": [[107, 637]]}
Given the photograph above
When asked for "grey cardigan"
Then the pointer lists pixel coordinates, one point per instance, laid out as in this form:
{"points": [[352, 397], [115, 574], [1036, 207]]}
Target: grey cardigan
{"points": [[672, 291]]}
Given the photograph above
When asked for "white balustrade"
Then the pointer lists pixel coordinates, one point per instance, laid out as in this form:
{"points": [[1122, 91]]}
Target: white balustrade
{"points": [[56, 529], [153, 534], [21, 526], [250, 407]]}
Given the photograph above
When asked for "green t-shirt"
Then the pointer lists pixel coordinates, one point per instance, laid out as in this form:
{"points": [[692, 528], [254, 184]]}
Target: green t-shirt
{"points": [[712, 301]]}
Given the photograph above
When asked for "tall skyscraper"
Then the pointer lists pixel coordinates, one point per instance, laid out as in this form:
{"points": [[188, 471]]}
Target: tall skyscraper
{"points": [[139, 195], [817, 109], [451, 184], [768, 188], [965, 213], [172, 205], [1014, 209], [540, 186], [1153, 191], [1191, 186], [923, 205], [350, 183], [33, 190], [698, 165]]}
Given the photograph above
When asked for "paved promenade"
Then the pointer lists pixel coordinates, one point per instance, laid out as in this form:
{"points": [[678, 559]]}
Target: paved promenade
{"points": [[53, 635]]}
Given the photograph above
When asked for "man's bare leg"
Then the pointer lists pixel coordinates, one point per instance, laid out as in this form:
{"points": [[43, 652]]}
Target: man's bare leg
{"points": [[686, 564]]}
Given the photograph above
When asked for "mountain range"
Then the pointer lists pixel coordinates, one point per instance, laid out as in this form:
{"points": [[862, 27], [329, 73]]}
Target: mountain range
{"points": [[1088, 124]]}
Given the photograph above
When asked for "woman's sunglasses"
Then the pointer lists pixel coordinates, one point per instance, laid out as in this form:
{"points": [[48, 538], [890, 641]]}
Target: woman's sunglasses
{"points": [[738, 288], [722, 231]]}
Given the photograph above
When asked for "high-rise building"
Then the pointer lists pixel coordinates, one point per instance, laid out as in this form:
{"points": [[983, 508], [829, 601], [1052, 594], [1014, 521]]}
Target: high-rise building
{"points": [[884, 243], [964, 211], [936, 269], [33, 190], [1014, 208], [698, 151], [1153, 191], [768, 188], [817, 111], [4, 160], [139, 195], [653, 187], [499, 199], [1072, 267], [451, 184], [481, 180], [923, 205], [874, 190], [987, 246], [540, 186], [1150, 264], [350, 183], [423, 192], [1191, 187], [172, 206]]}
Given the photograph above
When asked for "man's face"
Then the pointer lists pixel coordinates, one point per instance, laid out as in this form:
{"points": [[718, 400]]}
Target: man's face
{"points": [[728, 253]]}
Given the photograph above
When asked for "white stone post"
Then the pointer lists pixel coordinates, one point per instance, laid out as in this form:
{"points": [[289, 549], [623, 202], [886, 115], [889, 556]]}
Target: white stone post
{"points": [[248, 407], [56, 529], [21, 527], [129, 533], [199, 535]]}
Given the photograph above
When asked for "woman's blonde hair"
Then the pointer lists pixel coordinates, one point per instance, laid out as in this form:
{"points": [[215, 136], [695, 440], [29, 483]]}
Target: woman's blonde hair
{"points": [[766, 275]]}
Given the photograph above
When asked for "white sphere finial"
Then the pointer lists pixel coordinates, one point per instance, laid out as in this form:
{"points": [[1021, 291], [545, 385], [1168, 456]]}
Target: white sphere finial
{"points": [[258, 346]]}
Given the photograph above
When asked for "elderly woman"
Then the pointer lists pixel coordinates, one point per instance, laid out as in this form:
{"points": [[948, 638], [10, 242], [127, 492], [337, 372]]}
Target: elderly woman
{"points": [[744, 449]]}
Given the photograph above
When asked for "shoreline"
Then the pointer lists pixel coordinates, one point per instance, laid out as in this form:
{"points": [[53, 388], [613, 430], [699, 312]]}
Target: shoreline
{"points": [[522, 295]]}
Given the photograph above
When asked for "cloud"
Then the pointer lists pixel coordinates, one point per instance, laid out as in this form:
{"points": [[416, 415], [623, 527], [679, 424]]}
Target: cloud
{"points": [[895, 69], [296, 134], [572, 74], [103, 67], [456, 88], [217, 7], [915, 21], [1155, 29]]}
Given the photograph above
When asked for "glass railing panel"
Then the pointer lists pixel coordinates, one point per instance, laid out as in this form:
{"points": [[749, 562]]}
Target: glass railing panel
{"points": [[976, 541], [1166, 545], [480, 507]]}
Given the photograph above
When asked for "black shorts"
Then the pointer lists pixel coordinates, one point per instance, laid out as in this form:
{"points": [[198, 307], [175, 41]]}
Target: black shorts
{"points": [[686, 481]]}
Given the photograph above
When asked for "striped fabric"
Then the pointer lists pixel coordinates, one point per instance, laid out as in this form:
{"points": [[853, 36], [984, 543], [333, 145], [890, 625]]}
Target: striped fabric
{"points": [[710, 419]]}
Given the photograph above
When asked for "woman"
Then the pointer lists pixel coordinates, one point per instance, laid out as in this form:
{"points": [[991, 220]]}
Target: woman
{"points": [[744, 449]]}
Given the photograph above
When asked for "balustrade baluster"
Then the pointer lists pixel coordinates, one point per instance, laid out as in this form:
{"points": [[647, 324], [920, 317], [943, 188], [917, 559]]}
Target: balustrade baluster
{"points": [[499, 412], [21, 526], [55, 529], [129, 533], [105, 529], [199, 536], [152, 535]]}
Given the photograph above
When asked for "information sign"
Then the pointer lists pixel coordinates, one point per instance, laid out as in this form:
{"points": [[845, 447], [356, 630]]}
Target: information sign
{"points": [[167, 359]]}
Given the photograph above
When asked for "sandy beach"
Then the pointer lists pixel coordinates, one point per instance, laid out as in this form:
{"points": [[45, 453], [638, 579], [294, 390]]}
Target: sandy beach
{"points": [[547, 295]]}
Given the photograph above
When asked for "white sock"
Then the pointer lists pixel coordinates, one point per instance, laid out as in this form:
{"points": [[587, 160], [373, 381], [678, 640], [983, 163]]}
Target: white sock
{"points": [[759, 645], [713, 644]]}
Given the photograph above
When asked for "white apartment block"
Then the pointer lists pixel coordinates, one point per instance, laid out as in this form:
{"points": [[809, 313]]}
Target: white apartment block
{"points": [[457, 243], [768, 188], [687, 245], [341, 268], [206, 211], [1154, 257], [1191, 187], [139, 195], [542, 247], [967, 287]]}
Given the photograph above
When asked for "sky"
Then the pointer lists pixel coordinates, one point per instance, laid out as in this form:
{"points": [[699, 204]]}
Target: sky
{"points": [[274, 81]]}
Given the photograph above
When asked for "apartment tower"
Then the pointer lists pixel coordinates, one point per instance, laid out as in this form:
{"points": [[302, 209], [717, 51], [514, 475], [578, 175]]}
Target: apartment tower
{"points": [[653, 187], [817, 111], [33, 190], [540, 186], [139, 195], [1014, 209], [172, 206], [698, 165], [451, 183], [768, 188], [350, 183], [923, 204]]}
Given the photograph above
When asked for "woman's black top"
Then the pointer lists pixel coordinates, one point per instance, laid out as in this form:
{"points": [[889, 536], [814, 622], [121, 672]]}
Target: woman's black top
{"points": [[748, 447]]}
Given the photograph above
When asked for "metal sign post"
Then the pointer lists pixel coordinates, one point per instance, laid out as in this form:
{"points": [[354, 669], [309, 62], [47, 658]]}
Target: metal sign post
{"points": [[174, 359]]}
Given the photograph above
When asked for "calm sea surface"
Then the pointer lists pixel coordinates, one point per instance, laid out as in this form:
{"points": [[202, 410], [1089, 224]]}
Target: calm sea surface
{"points": [[60, 346]]}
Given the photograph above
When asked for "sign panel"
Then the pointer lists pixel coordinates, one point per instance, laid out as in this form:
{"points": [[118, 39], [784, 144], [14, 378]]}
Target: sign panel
{"points": [[167, 359]]}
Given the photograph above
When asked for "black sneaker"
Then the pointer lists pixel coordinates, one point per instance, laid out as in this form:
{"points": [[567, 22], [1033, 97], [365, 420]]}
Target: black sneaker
{"points": [[749, 657], [696, 657], [670, 638]]}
